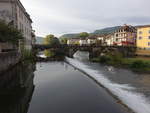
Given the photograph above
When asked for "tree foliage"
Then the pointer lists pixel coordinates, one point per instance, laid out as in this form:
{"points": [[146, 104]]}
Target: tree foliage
{"points": [[49, 53], [83, 34], [63, 40], [9, 33], [51, 40]]}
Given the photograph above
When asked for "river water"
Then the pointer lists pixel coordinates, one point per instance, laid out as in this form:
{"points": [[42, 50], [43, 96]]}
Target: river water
{"points": [[77, 86], [131, 88]]}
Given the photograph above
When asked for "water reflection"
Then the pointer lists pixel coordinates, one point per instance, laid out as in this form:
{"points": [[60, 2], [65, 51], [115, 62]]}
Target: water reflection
{"points": [[16, 89]]}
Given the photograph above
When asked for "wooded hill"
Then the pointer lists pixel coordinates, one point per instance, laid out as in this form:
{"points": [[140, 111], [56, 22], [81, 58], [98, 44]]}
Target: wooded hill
{"points": [[96, 32]]}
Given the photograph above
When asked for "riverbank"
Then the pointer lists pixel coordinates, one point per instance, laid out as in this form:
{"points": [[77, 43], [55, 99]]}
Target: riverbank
{"points": [[136, 64]]}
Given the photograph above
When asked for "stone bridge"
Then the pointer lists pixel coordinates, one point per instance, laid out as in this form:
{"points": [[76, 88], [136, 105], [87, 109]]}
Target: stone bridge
{"points": [[94, 50]]}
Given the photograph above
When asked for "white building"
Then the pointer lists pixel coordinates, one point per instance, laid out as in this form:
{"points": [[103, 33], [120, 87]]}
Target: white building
{"points": [[91, 41], [123, 36], [82, 42], [13, 12], [109, 40]]}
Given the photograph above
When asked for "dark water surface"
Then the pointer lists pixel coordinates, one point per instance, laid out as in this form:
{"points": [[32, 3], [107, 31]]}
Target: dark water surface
{"points": [[54, 87], [16, 89], [62, 89]]}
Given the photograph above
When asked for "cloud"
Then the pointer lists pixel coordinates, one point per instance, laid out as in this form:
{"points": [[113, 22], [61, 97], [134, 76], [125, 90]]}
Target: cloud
{"points": [[65, 16]]}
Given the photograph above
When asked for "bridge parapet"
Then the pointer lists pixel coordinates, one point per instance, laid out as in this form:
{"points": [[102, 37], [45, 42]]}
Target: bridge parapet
{"points": [[71, 49]]}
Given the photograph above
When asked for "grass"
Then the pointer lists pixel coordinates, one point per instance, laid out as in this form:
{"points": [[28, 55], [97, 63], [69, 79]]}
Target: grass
{"points": [[135, 64], [129, 61]]}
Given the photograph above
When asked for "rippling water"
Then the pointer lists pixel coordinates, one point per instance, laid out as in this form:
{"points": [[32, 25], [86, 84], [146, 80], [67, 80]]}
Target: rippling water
{"points": [[133, 89]]}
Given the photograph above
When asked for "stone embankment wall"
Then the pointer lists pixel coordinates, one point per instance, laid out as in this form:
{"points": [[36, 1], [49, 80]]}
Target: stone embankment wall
{"points": [[8, 59]]}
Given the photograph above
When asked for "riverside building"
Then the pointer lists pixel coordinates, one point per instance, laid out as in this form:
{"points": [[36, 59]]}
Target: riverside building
{"points": [[143, 37], [14, 13], [143, 40]]}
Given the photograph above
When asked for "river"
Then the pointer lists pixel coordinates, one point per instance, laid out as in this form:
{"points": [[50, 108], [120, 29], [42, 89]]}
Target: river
{"points": [[73, 87]]}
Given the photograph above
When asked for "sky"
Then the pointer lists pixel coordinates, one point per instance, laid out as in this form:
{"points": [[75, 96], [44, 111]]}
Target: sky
{"points": [[72, 16]]}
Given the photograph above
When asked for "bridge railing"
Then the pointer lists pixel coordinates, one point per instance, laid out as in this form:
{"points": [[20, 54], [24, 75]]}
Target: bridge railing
{"points": [[38, 46]]}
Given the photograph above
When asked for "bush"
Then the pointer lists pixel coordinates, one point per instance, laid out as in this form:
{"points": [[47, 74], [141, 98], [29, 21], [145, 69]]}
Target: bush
{"points": [[113, 59], [117, 58], [139, 64], [104, 59]]}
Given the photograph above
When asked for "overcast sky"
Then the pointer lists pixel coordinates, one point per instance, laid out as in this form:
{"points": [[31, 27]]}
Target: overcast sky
{"points": [[71, 16]]}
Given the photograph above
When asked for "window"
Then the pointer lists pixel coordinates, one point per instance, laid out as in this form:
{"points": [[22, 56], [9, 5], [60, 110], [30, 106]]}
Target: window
{"points": [[140, 32], [140, 38], [148, 43]]}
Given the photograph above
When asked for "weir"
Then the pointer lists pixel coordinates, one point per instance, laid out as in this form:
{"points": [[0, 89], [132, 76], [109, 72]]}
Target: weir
{"points": [[81, 55], [125, 90]]}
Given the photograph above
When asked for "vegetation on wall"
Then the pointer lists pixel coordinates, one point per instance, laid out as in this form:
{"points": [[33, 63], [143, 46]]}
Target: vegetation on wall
{"points": [[28, 55], [9, 34]]}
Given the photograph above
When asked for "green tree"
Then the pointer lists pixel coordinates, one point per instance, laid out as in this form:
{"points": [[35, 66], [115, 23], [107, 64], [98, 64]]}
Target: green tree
{"points": [[63, 40], [49, 53], [9, 34], [51, 40], [83, 35]]}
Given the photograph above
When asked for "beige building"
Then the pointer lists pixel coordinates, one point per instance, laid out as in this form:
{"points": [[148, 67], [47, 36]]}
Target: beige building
{"points": [[13, 12], [143, 37], [72, 41], [143, 40]]}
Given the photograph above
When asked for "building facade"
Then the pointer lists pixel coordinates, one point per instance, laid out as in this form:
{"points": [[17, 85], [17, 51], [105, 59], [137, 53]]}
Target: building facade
{"points": [[123, 36], [109, 40], [14, 13], [143, 37], [73, 41], [83, 41]]}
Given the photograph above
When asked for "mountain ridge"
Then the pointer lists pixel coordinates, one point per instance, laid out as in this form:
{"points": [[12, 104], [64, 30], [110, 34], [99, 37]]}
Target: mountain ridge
{"points": [[103, 31]]}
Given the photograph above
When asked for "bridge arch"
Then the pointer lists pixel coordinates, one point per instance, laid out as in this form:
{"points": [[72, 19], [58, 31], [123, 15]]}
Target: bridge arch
{"points": [[94, 50]]}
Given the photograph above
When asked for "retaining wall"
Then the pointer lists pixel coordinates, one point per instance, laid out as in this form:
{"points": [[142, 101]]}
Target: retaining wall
{"points": [[8, 59]]}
